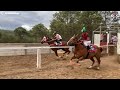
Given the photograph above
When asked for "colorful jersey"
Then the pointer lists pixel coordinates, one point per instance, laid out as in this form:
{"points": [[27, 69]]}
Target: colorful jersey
{"points": [[85, 36]]}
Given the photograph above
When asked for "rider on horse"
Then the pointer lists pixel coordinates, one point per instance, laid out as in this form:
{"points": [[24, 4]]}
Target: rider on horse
{"points": [[85, 38], [57, 38]]}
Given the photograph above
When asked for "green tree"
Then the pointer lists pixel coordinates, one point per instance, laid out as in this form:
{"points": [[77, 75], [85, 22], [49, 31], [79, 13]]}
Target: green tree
{"points": [[0, 35], [20, 32], [91, 19], [106, 17], [8, 38], [68, 23], [38, 31], [65, 23]]}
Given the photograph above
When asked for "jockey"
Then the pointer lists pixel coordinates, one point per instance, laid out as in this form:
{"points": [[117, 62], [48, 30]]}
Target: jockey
{"points": [[85, 38], [57, 38]]}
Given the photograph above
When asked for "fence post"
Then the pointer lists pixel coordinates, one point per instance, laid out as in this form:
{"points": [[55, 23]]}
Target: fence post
{"points": [[39, 58], [25, 49], [118, 47], [108, 43]]}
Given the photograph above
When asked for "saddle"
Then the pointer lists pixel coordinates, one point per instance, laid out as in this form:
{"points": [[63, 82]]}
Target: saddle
{"points": [[92, 48]]}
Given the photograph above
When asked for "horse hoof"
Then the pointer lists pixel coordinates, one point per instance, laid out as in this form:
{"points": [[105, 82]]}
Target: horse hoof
{"points": [[90, 67], [60, 57], [98, 68], [66, 55]]}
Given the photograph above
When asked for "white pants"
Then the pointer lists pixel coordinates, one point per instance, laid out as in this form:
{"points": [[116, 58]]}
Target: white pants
{"points": [[87, 43]]}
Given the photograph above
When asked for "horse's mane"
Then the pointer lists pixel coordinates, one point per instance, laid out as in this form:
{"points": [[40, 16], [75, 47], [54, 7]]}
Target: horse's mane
{"points": [[80, 43], [48, 38]]}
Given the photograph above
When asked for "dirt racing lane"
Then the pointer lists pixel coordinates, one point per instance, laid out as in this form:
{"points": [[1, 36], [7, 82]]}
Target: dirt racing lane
{"points": [[24, 67]]}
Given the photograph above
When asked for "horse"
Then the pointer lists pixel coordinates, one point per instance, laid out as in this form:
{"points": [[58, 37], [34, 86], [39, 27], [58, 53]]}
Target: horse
{"points": [[81, 52], [51, 42]]}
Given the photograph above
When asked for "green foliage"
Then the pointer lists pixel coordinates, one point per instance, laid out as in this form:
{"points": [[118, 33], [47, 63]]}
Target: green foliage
{"points": [[38, 31], [21, 35], [7, 36], [20, 32], [0, 34], [91, 19], [68, 23]]}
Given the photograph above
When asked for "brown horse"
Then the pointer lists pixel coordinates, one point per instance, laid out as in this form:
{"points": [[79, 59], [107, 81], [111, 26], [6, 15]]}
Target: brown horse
{"points": [[51, 42], [81, 52]]}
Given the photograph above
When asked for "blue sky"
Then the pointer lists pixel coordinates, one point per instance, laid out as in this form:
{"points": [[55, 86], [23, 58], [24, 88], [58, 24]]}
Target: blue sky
{"points": [[26, 19]]}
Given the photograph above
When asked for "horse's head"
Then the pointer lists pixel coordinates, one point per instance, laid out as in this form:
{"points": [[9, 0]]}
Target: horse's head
{"points": [[44, 39], [73, 40]]}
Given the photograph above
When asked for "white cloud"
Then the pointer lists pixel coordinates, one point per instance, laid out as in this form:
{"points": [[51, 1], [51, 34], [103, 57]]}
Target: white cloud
{"points": [[14, 19], [27, 27]]}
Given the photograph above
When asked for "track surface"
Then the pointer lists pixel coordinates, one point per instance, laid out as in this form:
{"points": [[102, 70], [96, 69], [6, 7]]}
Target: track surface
{"points": [[24, 67]]}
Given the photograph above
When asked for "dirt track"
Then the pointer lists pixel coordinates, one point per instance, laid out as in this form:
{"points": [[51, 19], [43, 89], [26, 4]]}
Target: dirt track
{"points": [[24, 67]]}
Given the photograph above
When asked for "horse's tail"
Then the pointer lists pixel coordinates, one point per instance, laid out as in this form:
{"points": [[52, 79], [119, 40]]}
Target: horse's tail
{"points": [[101, 49]]}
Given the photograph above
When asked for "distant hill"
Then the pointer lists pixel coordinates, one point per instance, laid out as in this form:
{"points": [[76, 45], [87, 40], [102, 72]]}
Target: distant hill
{"points": [[10, 32]]}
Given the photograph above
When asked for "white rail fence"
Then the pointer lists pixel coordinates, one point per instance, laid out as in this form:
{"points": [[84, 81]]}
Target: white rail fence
{"points": [[38, 51], [13, 52]]}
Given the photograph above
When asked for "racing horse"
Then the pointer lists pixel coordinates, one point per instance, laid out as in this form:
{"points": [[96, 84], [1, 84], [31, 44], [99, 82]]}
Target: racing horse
{"points": [[51, 42], [81, 52]]}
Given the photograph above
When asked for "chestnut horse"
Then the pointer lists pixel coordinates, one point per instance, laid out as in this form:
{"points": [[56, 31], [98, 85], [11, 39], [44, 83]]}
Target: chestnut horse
{"points": [[81, 52], [51, 42]]}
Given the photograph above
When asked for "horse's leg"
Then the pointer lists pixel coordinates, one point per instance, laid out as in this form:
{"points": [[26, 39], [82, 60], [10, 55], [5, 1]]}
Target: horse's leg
{"points": [[66, 51], [80, 58], [56, 53], [71, 62], [98, 60], [64, 54], [93, 61]]}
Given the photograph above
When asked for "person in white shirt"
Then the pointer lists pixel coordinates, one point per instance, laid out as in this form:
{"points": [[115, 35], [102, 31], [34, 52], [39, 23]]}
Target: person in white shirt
{"points": [[114, 39], [57, 38]]}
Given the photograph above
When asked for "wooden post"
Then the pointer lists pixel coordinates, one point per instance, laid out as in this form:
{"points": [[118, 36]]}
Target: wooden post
{"points": [[108, 43], [118, 47], [97, 39], [39, 58], [25, 49]]}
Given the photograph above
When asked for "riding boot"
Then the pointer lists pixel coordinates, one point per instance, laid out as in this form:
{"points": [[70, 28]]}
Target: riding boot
{"points": [[59, 43], [56, 43], [88, 47], [91, 47]]}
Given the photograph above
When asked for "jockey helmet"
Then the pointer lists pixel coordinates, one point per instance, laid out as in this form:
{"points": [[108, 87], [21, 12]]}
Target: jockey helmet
{"points": [[84, 29]]}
